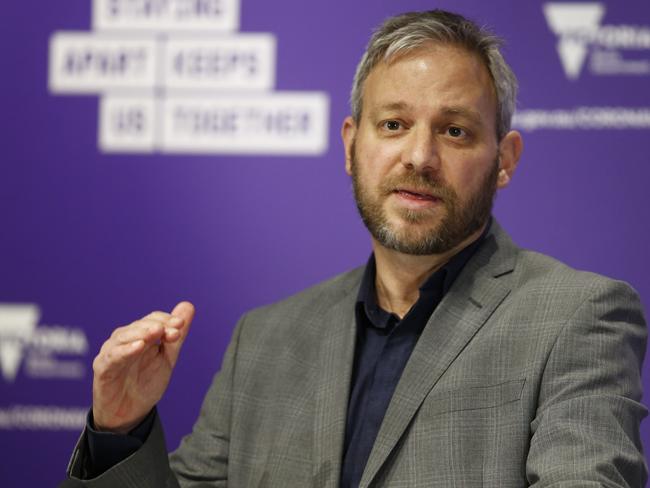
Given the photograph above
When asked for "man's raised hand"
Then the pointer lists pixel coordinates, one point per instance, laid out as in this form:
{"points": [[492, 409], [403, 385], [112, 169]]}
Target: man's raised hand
{"points": [[133, 367]]}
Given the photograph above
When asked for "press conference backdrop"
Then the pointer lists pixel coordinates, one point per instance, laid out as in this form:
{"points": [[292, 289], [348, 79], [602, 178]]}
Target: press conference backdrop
{"points": [[158, 150]]}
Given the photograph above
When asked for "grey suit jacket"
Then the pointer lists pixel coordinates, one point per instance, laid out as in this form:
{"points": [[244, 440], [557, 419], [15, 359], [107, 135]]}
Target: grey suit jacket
{"points": [[527, 373]]}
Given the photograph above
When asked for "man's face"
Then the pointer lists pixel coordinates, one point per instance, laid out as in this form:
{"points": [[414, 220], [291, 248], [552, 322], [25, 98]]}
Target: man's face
{"points": [[424, 157]]}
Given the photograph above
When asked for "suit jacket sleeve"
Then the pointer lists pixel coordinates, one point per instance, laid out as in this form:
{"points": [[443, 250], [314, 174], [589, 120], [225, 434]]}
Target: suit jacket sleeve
{"points": [[201, 459], [586, 429]]}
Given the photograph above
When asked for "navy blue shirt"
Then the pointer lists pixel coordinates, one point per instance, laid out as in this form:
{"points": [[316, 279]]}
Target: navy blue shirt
{"points": [[384, 345]]}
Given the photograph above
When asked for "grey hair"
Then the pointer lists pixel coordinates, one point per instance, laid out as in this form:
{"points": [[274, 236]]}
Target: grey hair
{"points": [[407, 32]]}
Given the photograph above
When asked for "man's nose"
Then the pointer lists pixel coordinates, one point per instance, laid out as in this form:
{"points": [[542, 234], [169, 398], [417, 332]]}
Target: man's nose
{"points": [[421, 151]]}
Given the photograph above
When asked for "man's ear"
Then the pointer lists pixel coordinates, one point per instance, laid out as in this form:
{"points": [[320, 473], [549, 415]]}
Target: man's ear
{"points": [[348, 131], [510, 149]]}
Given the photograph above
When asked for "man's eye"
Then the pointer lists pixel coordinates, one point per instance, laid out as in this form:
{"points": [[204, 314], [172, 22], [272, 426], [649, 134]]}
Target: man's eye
{"points": [[456, 132], [392, 125]]}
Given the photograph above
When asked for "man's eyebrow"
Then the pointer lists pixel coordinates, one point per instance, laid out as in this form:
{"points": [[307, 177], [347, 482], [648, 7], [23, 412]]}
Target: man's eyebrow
{"points": [[468, 113], [463, 112]]}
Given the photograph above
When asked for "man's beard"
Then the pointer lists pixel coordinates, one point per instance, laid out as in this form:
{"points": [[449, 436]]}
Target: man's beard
{"points": [[459, 222]]}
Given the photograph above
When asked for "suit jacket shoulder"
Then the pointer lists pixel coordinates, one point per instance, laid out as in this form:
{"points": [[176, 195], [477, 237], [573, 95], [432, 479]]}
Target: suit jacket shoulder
{"points": [[310, 300], [301, 314]]}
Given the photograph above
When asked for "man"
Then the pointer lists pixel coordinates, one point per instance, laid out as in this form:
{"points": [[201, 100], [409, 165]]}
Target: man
{"points": [[453, 358]]}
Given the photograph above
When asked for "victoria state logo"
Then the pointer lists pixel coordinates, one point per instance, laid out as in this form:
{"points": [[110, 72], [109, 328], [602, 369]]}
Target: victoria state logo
{"points": [[22, 340], [585, 41], [581, 36]]}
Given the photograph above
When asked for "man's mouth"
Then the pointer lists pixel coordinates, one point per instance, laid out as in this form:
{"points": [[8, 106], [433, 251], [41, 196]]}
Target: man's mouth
{"points": [[416, 194]]}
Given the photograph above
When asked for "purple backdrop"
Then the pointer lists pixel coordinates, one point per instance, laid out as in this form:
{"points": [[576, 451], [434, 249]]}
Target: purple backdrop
{"points": [[95, 239]]}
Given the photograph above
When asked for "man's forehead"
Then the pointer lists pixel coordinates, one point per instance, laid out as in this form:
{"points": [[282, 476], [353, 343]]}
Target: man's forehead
{"points": [[443, 56], [462, 95]]}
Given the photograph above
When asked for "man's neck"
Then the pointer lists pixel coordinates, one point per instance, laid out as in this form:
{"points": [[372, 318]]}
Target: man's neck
{"points": [[399, 276]]}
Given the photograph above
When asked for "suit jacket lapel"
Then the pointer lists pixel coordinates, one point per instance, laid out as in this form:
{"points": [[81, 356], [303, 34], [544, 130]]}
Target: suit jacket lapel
{"points": [[336, 358], [477, 292]]}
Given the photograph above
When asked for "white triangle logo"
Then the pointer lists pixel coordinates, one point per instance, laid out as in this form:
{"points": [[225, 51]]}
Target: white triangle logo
{"points": [[573, 23], [10, 355], [17, 324]]}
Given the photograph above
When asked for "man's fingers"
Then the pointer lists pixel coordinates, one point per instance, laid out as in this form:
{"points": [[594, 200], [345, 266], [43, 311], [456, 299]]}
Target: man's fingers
{"points": [[115, 356], [157, 315], [185, 311], [126, 343], [147, 329], [173, 343], [171, 335]]}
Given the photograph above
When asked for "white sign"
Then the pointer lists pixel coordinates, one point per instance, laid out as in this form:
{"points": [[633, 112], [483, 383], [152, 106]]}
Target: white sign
{"points": [[281, 123], [166, 15], [241, 62], [81, 62], [128, 124], [170, 84], [88, 63]]}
